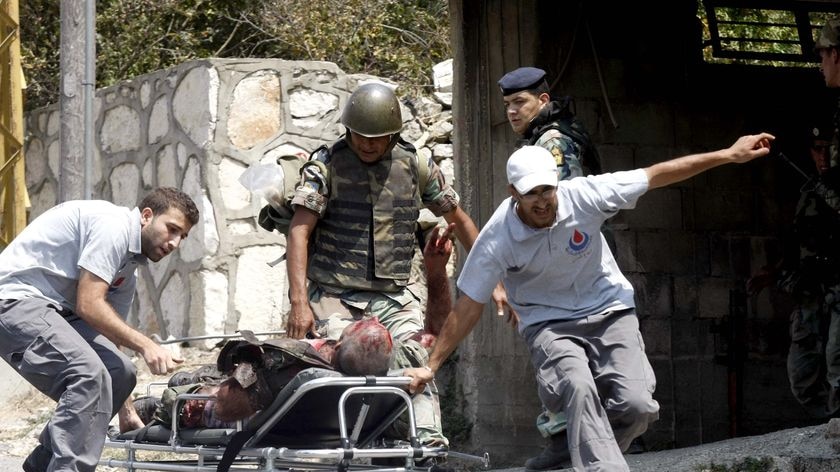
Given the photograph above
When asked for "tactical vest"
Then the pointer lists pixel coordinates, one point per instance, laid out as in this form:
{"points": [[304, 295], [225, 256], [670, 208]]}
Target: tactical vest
{"points": [[366, 238], [817, 229], [558, 115]]}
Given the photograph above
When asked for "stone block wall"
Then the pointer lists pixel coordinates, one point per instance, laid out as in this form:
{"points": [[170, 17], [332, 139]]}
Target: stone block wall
{"points": [[197, 127]]}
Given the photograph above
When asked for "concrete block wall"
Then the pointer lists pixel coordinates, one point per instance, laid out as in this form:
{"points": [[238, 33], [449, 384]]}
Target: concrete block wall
{"points": [[688, 247], [197, 127]]}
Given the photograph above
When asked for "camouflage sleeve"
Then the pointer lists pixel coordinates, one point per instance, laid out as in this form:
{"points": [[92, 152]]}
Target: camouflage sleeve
{"points": [[438, 196], [565, 151], [313, 192]]}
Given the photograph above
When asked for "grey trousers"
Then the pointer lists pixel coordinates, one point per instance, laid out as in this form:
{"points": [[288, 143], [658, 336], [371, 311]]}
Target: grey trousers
{"points": [[595, 369], [66, 359]]}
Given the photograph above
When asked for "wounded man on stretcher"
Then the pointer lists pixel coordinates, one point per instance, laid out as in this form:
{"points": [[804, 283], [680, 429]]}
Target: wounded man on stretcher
{"points": [[249, 374]]}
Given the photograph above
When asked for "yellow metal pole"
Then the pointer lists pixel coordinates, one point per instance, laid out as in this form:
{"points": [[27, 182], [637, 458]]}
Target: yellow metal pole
{"points": [[14, 196]]}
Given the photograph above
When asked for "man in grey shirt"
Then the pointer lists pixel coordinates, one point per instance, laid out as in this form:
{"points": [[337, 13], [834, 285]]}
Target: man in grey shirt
{"points": [[66, 284]]}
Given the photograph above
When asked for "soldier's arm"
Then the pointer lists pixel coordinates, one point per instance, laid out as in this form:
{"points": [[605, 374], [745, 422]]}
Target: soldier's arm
{"points": [[465, 229], [310, 203], [565, 151], [442, 200], [301, 319]]}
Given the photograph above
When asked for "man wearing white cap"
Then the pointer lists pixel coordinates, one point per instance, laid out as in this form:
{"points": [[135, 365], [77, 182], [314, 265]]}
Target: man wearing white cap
{"points": [[576, 307]]}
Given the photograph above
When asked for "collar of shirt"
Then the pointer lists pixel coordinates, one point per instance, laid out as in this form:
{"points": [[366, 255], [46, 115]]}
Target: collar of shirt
{"points": [[135, 243], [520, 231]]}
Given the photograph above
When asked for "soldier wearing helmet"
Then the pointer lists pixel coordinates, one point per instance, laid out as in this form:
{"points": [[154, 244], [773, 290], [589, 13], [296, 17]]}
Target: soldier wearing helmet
{"points": [[826, 46], [352, 238]]}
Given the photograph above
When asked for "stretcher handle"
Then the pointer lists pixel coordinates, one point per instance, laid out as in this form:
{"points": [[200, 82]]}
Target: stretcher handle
{"points": [[239, 333]]}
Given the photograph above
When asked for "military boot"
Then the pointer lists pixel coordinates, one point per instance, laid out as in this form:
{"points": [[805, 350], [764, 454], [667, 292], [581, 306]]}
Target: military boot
{"points": [[554, 456], [38, 460], [146, 406]]}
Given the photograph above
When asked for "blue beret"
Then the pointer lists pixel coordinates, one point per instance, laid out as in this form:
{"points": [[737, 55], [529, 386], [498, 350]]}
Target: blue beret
{"points": [[520, 79]]}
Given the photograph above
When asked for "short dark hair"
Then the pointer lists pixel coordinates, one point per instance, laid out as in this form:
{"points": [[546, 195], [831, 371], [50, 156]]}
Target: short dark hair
{"points": [[540, 89], [163, 198]]}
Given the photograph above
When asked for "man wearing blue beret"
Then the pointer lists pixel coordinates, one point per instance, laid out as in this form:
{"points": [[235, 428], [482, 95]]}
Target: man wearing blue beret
{"points": [[546, 121]]}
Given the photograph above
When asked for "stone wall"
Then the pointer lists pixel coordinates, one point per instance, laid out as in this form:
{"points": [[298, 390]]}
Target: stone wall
{"points": [[197, 127]]}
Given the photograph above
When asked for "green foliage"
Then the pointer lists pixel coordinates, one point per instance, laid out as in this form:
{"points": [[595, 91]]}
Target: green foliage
{"points": [[398, 39], [39, 31], [391, 38], [136, 36], [771, 31]]}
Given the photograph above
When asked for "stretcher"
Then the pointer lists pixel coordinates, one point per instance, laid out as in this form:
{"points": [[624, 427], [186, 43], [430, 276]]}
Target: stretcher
{"points": [[321, 420]]}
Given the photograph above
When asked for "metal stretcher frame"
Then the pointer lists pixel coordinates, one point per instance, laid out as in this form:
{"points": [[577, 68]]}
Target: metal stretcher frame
{"points": [[359, 440]]}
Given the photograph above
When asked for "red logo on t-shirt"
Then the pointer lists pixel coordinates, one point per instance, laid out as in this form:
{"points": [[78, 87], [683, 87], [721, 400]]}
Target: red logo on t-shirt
{"points": [[578, 241], [118, 282]]}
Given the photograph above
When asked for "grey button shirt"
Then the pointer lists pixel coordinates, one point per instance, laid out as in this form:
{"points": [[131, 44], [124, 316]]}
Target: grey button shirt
{"points": [[45, 258]]}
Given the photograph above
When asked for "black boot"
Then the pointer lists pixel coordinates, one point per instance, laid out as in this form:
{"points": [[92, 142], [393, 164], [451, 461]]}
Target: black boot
{"points": [[146, 407], [38, 460], [554, 456]]}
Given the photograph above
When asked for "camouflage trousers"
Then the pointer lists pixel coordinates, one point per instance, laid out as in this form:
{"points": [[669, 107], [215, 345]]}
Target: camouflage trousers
{"points": [[813, 361], [550, 423], [402, 315]]}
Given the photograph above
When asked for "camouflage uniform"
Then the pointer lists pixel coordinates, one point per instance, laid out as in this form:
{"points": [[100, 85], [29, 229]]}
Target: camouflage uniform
{"points": [[391, 300], [566, 152], [814, 358]]}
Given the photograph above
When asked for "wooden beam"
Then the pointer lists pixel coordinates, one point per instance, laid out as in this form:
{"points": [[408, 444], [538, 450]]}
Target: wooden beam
{"points": [[14, 198]]}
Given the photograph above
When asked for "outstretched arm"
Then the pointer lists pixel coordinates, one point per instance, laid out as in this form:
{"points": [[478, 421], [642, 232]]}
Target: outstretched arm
{"points": [[745, 149]]}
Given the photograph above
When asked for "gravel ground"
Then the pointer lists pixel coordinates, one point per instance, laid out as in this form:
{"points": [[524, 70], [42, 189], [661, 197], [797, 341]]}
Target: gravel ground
{"points": [[25, 414]]}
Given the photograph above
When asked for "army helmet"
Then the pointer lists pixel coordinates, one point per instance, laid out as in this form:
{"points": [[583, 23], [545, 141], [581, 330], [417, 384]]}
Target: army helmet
{"points": [[373, 110]]}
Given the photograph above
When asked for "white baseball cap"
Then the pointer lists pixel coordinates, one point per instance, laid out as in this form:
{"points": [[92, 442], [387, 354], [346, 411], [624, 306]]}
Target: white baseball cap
{"points": [[530, 167]]}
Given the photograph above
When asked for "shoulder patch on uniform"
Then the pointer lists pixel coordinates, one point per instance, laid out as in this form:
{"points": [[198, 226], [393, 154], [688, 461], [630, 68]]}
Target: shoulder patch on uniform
{"points": [[558, 156]]}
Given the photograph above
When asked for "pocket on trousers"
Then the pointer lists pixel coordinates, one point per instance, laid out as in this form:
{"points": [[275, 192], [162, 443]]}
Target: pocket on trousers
{"points": [[39, 363], [647, 369]]}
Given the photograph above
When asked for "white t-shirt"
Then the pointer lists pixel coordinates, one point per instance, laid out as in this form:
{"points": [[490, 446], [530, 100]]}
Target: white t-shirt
{"points": [[44, 259], [562, 272]]}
